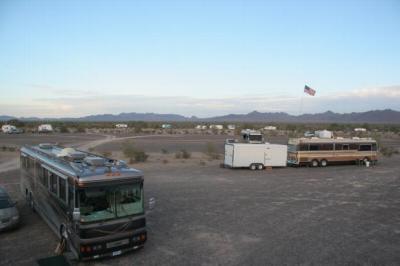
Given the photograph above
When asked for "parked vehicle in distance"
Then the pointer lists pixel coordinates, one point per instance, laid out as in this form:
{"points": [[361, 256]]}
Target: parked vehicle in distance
{"points": [[321, 152], [254, 156], [252, 136], [93, 203], [10, 129], [9, 216], [308, 134], [45, 128]]}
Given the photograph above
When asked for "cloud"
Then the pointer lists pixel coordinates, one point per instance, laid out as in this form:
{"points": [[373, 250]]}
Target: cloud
{"points": [[75, 105]]}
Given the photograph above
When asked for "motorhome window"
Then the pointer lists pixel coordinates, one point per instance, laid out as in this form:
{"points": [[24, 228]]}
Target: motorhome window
{"points": [[97, 204], [353, 146], [314, 147], [129, 200], [345, 147], [365, 147], [43, 176], [62, 183], [71, 196], [326, 147], [53, 183], [31, 166], [303, 147], [38, 168]]}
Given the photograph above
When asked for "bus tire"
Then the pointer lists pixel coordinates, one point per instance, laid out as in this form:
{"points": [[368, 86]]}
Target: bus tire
{"points": [[260, 167], [324, 163], [314, 163], [253, 166]]}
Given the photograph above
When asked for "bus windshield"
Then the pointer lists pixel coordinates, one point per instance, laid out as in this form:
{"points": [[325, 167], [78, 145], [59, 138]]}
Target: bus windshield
{"points": [[103, 203]]}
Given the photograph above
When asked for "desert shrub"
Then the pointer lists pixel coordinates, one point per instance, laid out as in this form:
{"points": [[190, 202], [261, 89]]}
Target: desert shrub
{"points": [[91, 149], [211, 151], [165, 161], [182, 154], [141, 156], [202, 163], [388, 151], [164, 151], [133, 154], [64, 129], [12, 149], [106, 154]]}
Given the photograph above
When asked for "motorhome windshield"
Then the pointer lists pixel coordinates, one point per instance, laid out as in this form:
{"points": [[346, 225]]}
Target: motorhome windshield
{"points": [[5, 203], [103, 203]]}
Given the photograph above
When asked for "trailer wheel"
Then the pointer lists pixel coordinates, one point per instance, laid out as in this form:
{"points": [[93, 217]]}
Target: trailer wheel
{"points": [[314, 163], [324, 163], [260, 167], [253, 167]]}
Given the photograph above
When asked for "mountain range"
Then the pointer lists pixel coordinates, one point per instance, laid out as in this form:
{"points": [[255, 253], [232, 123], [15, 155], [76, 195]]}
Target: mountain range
{"points": [[376, 116]]}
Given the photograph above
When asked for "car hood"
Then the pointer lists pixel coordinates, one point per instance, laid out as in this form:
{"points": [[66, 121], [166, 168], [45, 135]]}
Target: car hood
{"points": [[8, 212]]}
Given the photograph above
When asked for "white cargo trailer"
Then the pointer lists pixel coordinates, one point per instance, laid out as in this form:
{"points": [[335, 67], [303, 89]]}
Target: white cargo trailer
{"points": [[255, 156], [45, 128]]}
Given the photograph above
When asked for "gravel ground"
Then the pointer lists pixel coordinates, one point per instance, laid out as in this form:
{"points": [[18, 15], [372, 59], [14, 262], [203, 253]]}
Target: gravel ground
{"points": [[206, 215]]}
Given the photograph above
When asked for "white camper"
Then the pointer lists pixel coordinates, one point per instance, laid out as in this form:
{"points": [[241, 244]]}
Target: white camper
{"points": [[121, 126], [8, 129], [323, 134], [255, 156], [45, 128]]}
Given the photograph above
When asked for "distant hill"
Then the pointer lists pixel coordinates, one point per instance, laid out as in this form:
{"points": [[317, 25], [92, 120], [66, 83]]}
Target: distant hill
{"points": [[376, 116], [387, 116]]}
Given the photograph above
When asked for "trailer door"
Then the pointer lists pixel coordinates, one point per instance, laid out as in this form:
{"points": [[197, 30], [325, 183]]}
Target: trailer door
{"points": [[228, 155]]}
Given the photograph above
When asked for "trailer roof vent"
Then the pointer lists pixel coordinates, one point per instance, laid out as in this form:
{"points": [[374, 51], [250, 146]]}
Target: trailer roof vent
{"points": [[71, 154], [94, 161], [46, 146]]}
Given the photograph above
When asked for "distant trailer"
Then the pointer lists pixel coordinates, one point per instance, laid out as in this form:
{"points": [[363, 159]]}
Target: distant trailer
{"points": [[45, 128], [121, 126], [9, 129], [255, 156]]}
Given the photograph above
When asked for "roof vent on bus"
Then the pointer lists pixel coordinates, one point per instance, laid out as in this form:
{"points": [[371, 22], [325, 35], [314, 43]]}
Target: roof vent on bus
{"points": [[45, 146], [94, 161], [71, 154]]}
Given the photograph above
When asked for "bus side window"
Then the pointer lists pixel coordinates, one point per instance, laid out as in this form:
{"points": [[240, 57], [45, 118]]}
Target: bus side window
{"points": [[71, 196], [314, 147], [303, 147], [345, 147], [62, 183], [353, 146], [365, 147], [53, 183]]}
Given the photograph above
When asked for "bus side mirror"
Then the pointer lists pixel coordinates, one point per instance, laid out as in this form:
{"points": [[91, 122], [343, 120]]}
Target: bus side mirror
{"points": [[152, 203], [76, 215]]}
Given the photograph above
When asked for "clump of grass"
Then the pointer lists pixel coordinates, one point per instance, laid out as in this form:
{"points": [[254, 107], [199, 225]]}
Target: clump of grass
{"points": [[165, 161], [133, 154], [211, 151], [182, 154], [164, 151], [202, 163], [388, 151], [91, 149], [9, 148], [106, 154]]}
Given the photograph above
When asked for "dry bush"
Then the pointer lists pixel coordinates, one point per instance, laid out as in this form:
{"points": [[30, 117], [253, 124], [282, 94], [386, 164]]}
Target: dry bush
{"points": [[388, 151]]}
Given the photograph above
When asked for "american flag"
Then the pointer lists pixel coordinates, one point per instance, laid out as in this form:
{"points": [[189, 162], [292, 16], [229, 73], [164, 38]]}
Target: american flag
{"points": [[308, 90]]}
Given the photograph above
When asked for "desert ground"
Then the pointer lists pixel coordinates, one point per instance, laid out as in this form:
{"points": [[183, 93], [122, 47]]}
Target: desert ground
{"points": [[207, 215]]}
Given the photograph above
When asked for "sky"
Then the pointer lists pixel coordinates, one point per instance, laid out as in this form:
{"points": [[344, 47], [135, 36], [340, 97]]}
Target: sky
{"points": [[204, 58]]}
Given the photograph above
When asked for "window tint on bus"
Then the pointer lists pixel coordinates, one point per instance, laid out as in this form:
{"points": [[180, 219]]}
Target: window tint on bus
{"points": [[53, 183], [303, 147], [326, 147], [353, 146], [365, 147], [62, 189], [71, 196], [43, 176], [314, 147]]}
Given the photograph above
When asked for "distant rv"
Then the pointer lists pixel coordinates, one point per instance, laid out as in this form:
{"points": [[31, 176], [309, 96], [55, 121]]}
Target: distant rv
{"points": [[321, 152], [8, 129], [45, 128], [121, 126]]}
